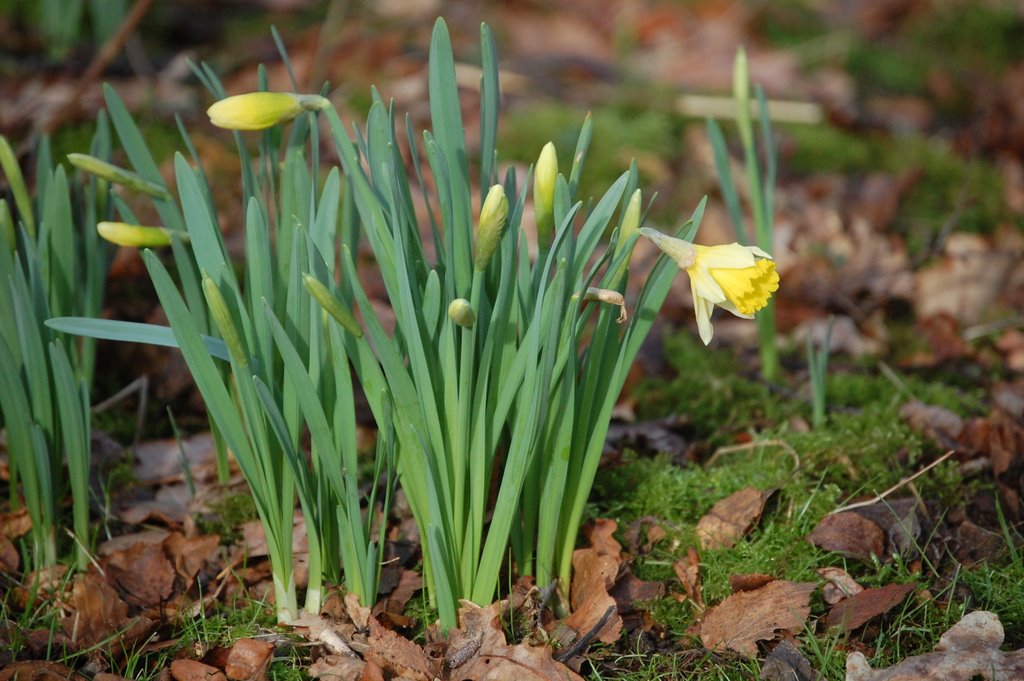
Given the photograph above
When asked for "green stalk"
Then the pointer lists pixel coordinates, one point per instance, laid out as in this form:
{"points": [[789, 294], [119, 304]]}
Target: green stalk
{"points": [[770, 365]]}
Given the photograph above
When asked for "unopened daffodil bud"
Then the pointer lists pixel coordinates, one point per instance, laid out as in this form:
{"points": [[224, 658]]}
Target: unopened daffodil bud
{"points": [[740, 279], [461, 312], [332, 305], [137, 236], [111, 173], [630, 223], [544, 176], [493, 216], [224, 322], [741, 94], [261, 110]]}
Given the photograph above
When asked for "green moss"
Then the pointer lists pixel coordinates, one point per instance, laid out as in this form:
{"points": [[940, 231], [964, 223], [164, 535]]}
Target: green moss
{"points": [[718, 396], [959, 38], [229, 514], [789, 23]]}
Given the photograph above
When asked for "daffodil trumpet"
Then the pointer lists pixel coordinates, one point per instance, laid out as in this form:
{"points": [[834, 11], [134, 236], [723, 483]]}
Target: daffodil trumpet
{"points": [[737, 278]]}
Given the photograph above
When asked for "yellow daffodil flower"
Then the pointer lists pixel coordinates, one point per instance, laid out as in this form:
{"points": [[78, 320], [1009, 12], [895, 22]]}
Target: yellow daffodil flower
{"points": [[261, 110], [740, 279]]}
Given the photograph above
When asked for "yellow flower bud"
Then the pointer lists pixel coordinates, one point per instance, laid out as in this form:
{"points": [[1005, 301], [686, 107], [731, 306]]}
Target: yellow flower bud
{"points": [[332, 305], [137, 236], [111, 173], [261, 110], [461, 312], [544, 176], [224, 322], [493, 216]]}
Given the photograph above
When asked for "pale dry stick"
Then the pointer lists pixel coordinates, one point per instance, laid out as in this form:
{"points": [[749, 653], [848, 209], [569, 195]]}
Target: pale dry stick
{"points": [[88, 554], [779, 111], [901, 483], [782, 444]]}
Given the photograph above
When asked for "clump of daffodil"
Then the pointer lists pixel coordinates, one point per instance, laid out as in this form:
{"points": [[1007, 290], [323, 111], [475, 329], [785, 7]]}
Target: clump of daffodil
{"points": [[544, 176], [740, 279], [261, 110], [493, 216], [137, 236]]}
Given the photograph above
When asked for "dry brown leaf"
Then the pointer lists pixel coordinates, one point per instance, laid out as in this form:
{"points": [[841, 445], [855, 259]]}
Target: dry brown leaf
{"points": [[371, 672], [687, 569], [191, 553], [359, 614], [751, 582], [731, 518], [969, 650], [338, 667], [477, 651], [168, 506], [409, 582], [594, 573], [10, 559], [787, 663], [124, 542], [160, 460], [97, 611], [744, 618], [248, 660], [849, 534], [966, 282], [838, 585], [940, 424], [194, 670], [15, 524], [143, 573], [37, 670], [398, 655], [850, 613]]}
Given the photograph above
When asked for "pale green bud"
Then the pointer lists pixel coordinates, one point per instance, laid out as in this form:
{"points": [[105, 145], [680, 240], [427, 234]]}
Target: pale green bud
{"points": [[137, 236], [111, 173], [630, 223], [224, 322], [544, 176], [16, 181], [332, 305], [493, 216], [461, 312], [741, 94], [7, 225], [261, 110]]}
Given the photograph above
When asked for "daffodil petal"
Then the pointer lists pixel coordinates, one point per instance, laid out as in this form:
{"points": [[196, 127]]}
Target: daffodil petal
{"points": [[704, 285], [702, 309]]}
